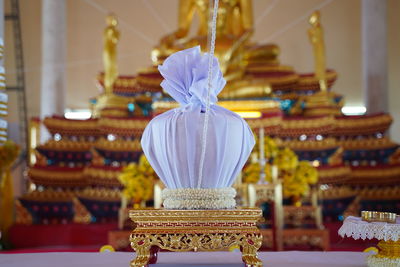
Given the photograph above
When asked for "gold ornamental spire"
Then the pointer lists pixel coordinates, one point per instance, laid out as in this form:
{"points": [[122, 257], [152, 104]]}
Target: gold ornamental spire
{"points": [[111, 37], [316, 35]]}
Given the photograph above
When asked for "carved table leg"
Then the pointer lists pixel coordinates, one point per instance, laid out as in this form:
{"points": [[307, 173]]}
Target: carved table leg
{"points": [[249, 257], [142, 257], [249, 251]]}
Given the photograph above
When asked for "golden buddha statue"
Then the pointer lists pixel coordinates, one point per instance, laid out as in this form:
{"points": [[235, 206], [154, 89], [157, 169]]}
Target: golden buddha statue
{"points": [[234, 29], [233, 47], [316, 35], [321, 103], [111, 37], [108, 103]]}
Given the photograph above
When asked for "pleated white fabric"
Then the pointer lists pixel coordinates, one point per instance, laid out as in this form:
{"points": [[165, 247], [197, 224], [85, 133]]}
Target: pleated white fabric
{"points": [[172, 140]]}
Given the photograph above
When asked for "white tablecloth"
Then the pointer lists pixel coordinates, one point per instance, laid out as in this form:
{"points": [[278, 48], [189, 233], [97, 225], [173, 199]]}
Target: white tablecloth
{"points": [[170, 259]]}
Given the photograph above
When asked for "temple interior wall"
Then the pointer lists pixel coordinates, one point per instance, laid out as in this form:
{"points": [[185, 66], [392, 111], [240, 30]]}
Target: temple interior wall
{"points": [[140, 31]]}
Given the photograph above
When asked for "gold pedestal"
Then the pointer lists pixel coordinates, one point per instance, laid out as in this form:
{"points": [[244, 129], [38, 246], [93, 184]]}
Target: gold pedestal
{"points": [[195, 230], [388, 255]]}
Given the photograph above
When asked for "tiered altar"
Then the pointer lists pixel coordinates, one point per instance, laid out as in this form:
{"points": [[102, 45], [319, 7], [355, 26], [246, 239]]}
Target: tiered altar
{"points": [[75, 177]]}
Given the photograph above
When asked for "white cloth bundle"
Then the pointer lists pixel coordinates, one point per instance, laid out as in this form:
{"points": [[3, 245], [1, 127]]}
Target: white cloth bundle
{"points": [[172, 141]]}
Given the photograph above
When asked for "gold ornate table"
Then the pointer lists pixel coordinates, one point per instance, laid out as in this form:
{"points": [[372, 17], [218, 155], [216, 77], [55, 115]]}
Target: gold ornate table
{"points": [[195, 230]]}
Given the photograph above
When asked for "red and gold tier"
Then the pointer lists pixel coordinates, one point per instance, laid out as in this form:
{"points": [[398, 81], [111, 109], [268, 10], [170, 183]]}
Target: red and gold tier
{"points": [[55, 176], [84, 129], [362, 125], [123, 127], [308, 81], [146, 81], [296, 126], [102, 176], [66, 152], [281, 78]]}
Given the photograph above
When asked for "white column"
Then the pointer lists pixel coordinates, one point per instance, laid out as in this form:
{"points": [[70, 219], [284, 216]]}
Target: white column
{"points": [[53, 59], [374, 55], [2, 19]]}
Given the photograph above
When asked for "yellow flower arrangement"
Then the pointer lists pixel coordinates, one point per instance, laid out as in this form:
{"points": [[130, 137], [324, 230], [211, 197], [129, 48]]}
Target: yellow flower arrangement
{"points": [[293, 185], [145, 167], [286, 159], [270, 147], [251, 173], [137, 180], [306, 171]]}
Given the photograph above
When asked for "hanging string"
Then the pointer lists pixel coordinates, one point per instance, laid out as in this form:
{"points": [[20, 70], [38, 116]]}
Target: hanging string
{"points": [[209, 86], [156, 16], [266, 11], [128, 26], [295, 22]]}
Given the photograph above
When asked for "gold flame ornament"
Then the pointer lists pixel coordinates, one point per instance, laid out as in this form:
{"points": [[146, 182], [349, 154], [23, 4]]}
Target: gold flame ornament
{"points": [[316, 35], [111, 37]]}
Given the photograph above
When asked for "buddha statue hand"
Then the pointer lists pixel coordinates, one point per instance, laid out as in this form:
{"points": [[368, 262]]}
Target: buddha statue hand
{"points": [[169, 40]]}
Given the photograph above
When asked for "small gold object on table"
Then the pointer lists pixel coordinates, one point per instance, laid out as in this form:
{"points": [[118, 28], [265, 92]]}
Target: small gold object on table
{"points": [[376, 216], [384, 226], [195, 230]]}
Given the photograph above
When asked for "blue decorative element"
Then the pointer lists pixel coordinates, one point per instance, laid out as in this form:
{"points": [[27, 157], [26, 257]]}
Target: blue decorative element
{"points": [[320, 155], [49, 211], [334, 208], [287, 105], [146, 108], [377, 155], [56, 157], [119, 156], [101, 210], [338, 99], [131, 107]]}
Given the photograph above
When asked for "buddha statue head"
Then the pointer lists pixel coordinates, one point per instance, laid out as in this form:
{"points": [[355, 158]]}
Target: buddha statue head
{"points": [[111, 20]]}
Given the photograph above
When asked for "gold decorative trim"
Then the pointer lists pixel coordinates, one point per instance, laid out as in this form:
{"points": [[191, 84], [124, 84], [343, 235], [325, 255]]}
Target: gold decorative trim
{"points": [[50, 195], [307, 80], [81, 214], [118, 145], [22, 215], [373, 173], [101, 173], [66, 145], [363, 122], [134, 124], [265, 122], [311, 144], [306, 123], [55, 174], [337, 174], [101, 194], [369, 143]]}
